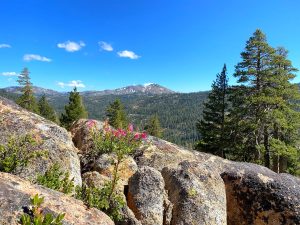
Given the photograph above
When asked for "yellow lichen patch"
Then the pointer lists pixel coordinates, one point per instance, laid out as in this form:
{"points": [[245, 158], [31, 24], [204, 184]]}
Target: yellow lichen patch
{"points": [[264, 178]]}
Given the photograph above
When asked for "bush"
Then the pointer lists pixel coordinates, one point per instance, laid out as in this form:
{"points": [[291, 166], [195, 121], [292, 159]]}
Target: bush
{"points": [[35, 216], [56, 179], [120, 142], [104, 199], [15, 155]]}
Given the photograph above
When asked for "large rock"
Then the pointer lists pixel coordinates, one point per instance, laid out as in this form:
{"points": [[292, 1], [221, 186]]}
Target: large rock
{"points": [[56, 141], [15, 194], [158, 154], [94, 179], [146, 196], [256, 195], [197, 193], [105, 166]]}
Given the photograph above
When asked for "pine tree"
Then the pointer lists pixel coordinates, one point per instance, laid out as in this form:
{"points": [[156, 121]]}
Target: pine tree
{"points": [[253, 72], [46, 110], [74, 111], [212, 126], [116, 114], [285, 119], [27, 99], [265, 121], [153, 127]]}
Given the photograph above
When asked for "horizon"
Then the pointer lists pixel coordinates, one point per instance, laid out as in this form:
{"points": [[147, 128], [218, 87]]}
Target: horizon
{"points": [[65, 91], [106, 45]]}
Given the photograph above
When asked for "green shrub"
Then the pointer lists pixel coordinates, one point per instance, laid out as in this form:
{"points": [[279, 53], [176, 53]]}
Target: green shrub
{"points": [[120, 142], [104, 199], [56, 179], [15, 155], [35, 216]]}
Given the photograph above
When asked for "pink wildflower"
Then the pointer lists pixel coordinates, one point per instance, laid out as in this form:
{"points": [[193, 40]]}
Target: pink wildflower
{"points": [[144, 135], [130, 127], [91, 124], [136, 136], [123, 133], [116, 133]]}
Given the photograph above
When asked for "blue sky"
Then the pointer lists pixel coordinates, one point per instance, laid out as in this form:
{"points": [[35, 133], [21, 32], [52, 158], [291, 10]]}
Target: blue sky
{"points": [[108, 44]]}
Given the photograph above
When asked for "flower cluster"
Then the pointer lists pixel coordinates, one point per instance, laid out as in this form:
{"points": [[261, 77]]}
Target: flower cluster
{"points": [[118, 141], [140, 136], [91, 124]]}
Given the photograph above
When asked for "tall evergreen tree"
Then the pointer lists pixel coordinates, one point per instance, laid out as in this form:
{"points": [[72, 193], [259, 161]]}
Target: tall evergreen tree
{"points": [[46, 110], [212, 126], [27, 99], [264, 111], [285, 119], [116, 114], [254, 72], [74, 110], [153, 127]]}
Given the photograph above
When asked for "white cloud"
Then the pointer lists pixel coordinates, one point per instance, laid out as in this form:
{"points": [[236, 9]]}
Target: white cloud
{"points": [[9, 74], [71, 46], [61, 84], [5, 46], [128, 54], [31, 57], [105, 46], [73, 83]]}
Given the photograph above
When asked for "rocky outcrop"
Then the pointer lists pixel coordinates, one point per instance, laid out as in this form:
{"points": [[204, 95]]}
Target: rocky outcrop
{"points": [[158, 154], [198, 194], [164, 184], [256, 195], [15, 194], [146, 196], [52, 139], [201, 188]]}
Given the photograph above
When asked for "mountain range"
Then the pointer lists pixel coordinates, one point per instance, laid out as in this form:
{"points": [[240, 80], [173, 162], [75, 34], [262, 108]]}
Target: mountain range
{"points": [[132, 89], [178, 112]]}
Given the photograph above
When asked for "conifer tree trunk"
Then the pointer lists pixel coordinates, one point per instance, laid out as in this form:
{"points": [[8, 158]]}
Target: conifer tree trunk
{"points": [[267, 147], [282, 164], [276, 156], [275, 167]]}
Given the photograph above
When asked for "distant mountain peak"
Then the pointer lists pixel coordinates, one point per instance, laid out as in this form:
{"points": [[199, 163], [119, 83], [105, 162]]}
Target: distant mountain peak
{"points": [[148, 88]]}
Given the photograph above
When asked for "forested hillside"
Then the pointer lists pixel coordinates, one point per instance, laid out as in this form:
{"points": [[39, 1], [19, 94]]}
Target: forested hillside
{"points": [[177, 111]]}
